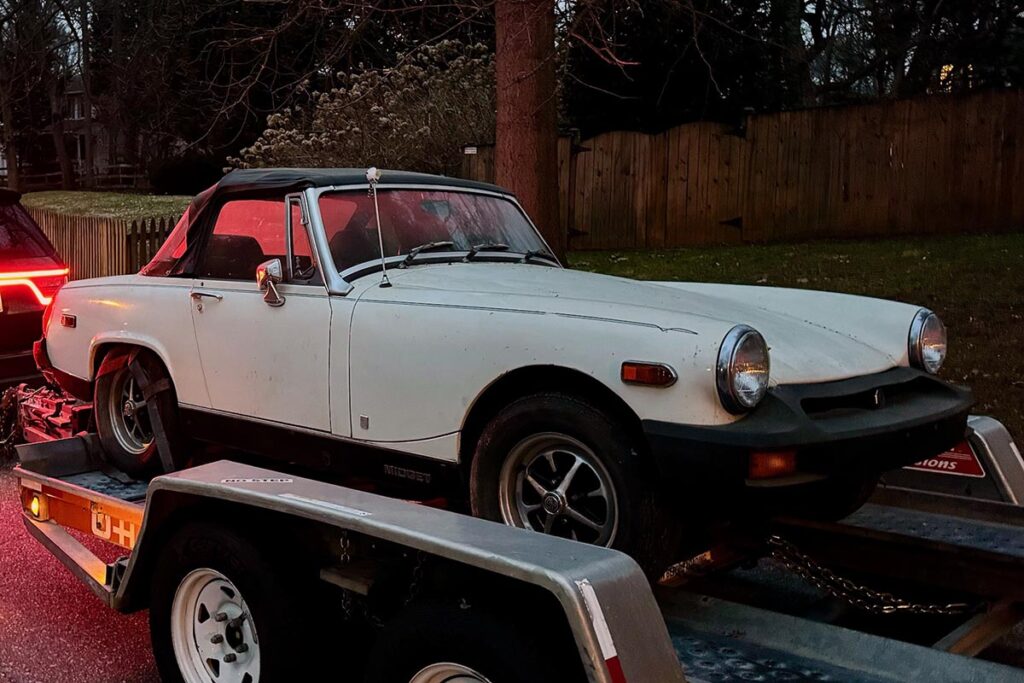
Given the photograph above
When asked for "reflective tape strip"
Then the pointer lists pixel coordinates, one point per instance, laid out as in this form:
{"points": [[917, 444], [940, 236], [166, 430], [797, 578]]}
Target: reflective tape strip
{"points": [[604, 635]]}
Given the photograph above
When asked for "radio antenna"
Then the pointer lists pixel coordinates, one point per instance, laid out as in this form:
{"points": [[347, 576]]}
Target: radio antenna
{"points": [[373, 177]]}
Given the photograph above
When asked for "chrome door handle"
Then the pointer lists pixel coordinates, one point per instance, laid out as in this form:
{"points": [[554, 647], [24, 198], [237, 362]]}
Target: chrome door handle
{"points": [[209, 295]]}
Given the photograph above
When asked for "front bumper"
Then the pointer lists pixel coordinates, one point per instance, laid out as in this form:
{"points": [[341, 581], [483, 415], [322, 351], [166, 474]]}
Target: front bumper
{"points": [[863, 425]]}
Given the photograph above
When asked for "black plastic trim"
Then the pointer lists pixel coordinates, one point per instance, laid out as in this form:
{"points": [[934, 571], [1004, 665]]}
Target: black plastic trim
{"points": [[916, 415]]}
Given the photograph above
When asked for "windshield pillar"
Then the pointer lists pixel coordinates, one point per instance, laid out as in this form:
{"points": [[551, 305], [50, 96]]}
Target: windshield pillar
{"points": [[335, 283]]}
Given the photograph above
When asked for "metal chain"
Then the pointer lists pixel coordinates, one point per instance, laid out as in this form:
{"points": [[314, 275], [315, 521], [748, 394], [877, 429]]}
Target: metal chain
{"points": [[417, 577], [346, 548], [346, 556], [9, 432], [862, 597]]}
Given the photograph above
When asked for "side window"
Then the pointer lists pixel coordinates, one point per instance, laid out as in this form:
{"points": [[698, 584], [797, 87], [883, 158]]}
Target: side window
{"points": [[303, 265], [247, 232]]}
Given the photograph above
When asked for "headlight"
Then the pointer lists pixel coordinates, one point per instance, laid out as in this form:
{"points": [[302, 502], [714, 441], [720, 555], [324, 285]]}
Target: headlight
{"points": [[743, 366], [927, 342]]}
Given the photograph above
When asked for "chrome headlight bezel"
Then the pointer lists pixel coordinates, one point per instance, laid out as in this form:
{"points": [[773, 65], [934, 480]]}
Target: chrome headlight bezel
{"points": [[924, 325], [726, 371]]}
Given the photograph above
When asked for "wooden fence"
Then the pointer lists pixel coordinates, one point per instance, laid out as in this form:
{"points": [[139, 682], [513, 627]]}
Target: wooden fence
{"points": [[97, 247], [937, 164]]}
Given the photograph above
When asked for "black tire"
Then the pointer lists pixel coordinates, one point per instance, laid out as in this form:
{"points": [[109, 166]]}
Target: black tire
{"points": [[647, 529], [496, 648], [271, 599], [128, 451]]}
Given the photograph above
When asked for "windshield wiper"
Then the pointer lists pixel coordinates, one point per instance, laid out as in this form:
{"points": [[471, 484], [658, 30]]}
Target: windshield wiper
{"points": [[417, 250], [486, 246], [538, 253]]}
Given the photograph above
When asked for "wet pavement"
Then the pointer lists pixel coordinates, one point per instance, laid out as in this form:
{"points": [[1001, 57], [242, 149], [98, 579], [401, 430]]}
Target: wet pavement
{"points": [[52, 628]]}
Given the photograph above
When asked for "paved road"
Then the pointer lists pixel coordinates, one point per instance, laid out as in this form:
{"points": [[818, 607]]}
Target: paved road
{"points": [[52, 628]]}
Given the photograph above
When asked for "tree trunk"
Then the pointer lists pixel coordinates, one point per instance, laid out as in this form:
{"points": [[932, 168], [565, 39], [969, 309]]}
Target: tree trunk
{"points": [[67, 175], [11, 154], [86, 47], [526, 141]]}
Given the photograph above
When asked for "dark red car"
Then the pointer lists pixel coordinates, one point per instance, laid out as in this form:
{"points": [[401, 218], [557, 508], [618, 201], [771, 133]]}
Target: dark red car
{"points": [[31, 272]]}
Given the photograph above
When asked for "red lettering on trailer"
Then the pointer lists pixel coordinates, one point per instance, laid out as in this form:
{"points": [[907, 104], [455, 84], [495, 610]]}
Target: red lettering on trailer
{"points": [[960, 461]]}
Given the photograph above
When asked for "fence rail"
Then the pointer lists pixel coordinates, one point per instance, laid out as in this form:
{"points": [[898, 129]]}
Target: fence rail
{"points": [[98, 247], [938, 164]]}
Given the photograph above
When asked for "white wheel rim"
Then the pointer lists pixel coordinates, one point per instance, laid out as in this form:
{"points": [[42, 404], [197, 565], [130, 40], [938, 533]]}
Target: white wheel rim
{"points": [[448, 672], [212, 632]]}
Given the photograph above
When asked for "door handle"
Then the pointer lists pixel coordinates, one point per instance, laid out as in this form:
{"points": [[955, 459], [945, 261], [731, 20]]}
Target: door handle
{"points": [[209, 295]]}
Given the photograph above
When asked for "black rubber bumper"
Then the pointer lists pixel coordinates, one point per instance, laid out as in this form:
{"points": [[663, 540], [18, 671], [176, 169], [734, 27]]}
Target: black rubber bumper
{"points": [[871, 423]]}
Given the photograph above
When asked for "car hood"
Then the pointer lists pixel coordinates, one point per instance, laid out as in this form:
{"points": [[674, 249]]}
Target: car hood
{"points": [[813, 336]]}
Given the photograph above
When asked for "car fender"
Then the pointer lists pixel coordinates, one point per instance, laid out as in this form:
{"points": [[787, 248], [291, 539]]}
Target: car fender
{"points": [[149, 312], [407, 388]]}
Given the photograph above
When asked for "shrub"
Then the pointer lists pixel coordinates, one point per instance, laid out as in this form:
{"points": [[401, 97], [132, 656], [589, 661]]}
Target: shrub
{"points": [[414, 116]]}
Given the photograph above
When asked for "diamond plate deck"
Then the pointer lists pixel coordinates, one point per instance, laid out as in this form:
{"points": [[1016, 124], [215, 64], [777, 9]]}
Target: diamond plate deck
{"points": [[721, 659], [993, 537], [134, 491]]}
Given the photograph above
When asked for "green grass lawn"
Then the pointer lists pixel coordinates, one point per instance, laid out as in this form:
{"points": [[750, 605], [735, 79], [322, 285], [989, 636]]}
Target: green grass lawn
{"points": [[108, 204], [974, 283]]}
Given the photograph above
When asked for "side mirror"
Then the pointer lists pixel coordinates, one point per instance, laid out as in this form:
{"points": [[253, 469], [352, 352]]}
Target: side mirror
{"points": [[269, 275]]}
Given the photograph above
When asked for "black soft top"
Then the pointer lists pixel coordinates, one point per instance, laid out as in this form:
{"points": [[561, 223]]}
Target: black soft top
{"points": [[284, 180], [278, 182], [289, 179]]}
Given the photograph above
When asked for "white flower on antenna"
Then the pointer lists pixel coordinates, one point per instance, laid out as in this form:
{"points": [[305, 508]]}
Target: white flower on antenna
{"points": [[372, 174]]}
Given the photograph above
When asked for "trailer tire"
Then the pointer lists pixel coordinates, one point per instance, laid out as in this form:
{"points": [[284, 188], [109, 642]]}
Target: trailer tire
{"points": [[473, 645], [128, 440], [206, 563]]}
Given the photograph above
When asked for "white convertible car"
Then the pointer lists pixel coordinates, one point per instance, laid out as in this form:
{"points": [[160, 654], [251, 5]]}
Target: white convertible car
{"points": [[421, 326]]}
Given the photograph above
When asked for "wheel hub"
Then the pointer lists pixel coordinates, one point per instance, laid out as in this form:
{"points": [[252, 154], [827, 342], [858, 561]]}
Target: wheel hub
{"points": [[129, 409], [554, 503], [212, 633]]}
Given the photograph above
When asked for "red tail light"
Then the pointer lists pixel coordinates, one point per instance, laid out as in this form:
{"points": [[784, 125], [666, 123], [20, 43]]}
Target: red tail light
{"points": [[43, 283]]}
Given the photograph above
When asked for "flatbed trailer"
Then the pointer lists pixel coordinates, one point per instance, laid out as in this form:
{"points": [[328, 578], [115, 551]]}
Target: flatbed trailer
{"points": [[762, 608]]}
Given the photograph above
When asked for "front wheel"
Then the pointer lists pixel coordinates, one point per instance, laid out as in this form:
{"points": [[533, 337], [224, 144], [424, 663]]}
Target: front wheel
{"points": [[556, 464]]}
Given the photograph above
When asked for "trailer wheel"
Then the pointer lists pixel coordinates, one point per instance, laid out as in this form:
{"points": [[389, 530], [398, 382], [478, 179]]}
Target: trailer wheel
{"points": [[122, 413], [440, 643], [220, 612], [559, 465]]}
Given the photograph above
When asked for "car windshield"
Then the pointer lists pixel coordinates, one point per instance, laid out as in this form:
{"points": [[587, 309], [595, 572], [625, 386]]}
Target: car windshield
{"points": [[412, 218]]}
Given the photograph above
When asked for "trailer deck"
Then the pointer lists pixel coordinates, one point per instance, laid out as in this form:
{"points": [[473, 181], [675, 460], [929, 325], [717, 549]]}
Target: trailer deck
{"points": [[956, 565]]}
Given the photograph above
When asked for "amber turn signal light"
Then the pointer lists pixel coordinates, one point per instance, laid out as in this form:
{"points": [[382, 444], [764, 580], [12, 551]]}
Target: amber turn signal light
{"points": [[772, 464], [649, 374]]}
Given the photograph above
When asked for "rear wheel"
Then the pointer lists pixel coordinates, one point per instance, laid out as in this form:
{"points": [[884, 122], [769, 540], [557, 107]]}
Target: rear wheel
{"points": [[123, 417], [556, 464]]}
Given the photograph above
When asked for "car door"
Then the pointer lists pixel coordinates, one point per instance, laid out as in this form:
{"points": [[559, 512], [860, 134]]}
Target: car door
{"points": [[262, 361]]}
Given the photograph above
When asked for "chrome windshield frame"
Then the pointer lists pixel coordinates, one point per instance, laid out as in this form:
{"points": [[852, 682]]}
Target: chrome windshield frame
{"points": [[336, 282]]}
